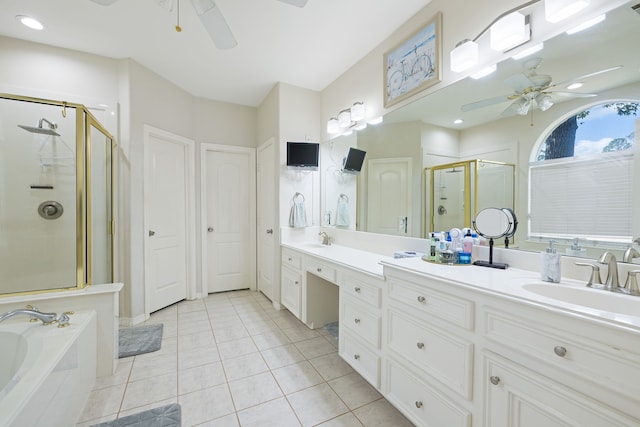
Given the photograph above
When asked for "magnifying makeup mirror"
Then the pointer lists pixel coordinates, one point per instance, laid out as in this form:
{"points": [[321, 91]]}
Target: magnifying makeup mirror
{"points": [[494, 223]]}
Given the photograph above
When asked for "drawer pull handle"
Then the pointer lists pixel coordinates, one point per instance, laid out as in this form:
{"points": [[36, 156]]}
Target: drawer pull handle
{"points": [[356, 356], [418, 404], [356, 320], [560, 351], [319, 270], [420, 345], [422, 299], [357, 289], [494, 380]]}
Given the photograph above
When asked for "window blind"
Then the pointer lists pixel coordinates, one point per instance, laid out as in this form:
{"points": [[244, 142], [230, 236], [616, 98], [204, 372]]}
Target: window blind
{"points": [[598, 189]]}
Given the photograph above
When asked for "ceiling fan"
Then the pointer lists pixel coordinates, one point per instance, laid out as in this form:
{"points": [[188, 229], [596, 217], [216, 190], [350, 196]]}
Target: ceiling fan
{"points": [[532, 89], [211, 17]]}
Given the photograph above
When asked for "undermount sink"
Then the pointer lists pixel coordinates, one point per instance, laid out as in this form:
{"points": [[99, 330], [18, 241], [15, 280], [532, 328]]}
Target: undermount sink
{"points": [[594, 298], [314, 245]]}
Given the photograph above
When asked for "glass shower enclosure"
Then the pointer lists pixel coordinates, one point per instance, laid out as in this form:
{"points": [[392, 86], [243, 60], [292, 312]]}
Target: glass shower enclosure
{"points": [[56, 196]]}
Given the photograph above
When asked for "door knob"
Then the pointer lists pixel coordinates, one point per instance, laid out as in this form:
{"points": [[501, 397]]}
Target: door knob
{"points": [[270, 231], [210, 229], [151, 233]]}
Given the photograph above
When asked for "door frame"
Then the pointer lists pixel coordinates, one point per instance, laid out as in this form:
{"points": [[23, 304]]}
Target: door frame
{"points": [[190, 214], [205, 148]]}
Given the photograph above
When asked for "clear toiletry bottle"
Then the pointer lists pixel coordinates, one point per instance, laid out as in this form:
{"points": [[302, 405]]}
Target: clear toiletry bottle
{"points": [[550, 271], [433, 243]]}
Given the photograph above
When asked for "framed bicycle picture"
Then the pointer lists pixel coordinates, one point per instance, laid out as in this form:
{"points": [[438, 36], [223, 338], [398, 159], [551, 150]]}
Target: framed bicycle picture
{"points": [[414, 64]]}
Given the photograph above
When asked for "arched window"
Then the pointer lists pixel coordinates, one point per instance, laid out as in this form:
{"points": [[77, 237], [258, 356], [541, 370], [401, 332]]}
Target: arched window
{"points": [[582, 175]]}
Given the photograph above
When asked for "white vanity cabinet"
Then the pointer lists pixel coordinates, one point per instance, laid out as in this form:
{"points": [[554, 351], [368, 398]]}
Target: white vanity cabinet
{"points": [[360, 337], [544, 367], [429, 349], [291, 276]]}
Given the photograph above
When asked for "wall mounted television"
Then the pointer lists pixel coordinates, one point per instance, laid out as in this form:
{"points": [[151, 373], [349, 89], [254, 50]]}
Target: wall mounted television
{"points": [[353, 162], [303, 155]]}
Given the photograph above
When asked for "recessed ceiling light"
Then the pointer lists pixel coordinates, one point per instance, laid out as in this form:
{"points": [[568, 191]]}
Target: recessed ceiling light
{"points": [[457, 121], [30, 22], [576, 85]]}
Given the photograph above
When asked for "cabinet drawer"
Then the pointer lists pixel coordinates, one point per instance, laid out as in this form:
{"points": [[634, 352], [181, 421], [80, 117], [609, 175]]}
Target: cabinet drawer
{"points": [[440, 354], [450, 308], [361, 321], [321, 269], [420, 403], [361, 290], [362, 359], [593, 360], [292, 259]]}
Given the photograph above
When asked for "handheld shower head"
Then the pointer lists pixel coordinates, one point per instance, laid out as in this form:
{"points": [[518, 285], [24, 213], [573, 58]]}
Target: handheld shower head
{"points": [[41, 130]]}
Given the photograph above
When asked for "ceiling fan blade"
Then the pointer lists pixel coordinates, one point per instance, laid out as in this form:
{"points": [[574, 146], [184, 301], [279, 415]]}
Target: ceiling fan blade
{"points": [[586, 76], [574, 94], [299, 3], [215, 24], [104, 2], [519, 82], [485, 103]]}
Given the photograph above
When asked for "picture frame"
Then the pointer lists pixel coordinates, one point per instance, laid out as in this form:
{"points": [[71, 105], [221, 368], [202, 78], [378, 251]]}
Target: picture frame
{"points": [[414, 64]]}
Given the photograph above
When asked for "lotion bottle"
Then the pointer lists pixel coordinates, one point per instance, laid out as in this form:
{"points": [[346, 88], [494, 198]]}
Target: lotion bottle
{"points": [[550, 271]]}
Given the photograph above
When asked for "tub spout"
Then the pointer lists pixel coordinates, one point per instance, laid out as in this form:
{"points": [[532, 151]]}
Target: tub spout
{"points": [[46, 318]]}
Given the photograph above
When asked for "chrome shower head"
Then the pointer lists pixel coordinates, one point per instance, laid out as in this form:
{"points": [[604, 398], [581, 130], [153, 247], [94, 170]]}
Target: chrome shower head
{"points": [[45, 131]]}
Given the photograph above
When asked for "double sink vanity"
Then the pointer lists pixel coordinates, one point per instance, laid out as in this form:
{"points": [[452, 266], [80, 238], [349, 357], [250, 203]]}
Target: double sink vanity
{"points": [[466, 346]]}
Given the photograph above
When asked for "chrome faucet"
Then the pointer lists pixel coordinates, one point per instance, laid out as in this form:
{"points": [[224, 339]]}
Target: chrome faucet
{"points": [[630, 254], [46, 318], [609, 259], [326, 240]]}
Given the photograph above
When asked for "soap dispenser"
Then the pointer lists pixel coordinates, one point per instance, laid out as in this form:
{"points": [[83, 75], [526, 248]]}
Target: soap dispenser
{"points": [[550, 271]]}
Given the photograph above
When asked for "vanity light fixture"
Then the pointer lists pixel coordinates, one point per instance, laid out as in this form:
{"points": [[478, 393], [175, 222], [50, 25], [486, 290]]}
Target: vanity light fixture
{"points": [[508, 32], [511, 29], [587, 24], [528, 51], [558, 10], [484, 72], [347, 120], [30, 22]]}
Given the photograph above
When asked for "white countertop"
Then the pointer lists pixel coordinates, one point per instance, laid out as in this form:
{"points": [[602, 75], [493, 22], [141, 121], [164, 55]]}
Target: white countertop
{"points": [[569, 296], [367, 262], [574, 296]]}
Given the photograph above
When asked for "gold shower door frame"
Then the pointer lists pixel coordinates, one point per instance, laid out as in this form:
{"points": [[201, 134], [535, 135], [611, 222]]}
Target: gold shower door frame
{"points": [[84, 232]]}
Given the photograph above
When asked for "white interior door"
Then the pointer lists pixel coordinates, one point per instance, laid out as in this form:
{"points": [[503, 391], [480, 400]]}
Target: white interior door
{"points": [[266, 220], [230, 219], [166, 222], [389, 196]]}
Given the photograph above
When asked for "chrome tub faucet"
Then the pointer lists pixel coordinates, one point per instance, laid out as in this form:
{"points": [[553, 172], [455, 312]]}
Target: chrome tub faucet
{"points": [[46, 318]]}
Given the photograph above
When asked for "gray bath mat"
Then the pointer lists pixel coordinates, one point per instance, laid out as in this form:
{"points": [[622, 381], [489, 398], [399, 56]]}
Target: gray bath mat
{"points": [[140, 340], [332, 329], [164, 416]]}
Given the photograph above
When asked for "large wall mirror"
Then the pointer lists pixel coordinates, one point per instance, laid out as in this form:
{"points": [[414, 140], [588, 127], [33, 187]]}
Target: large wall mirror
{"points": [[391, 193]]}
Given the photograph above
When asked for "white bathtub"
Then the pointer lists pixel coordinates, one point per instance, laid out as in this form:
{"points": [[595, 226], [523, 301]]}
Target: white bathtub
{"points": [[46, 372]]}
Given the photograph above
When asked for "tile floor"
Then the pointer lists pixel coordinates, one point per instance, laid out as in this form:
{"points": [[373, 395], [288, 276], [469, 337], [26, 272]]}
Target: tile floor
{"points": [[233, 360]]}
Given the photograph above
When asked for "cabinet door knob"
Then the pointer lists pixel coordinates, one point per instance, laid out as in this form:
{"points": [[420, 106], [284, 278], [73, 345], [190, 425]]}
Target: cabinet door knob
{"points": [[418, 404], [296, 282], [357, 289], [422, 299], [270, 231], [560, 351], [356, 356], [319, 270], [420, 345], [289, 259], [356, 320], [494, 380]]}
